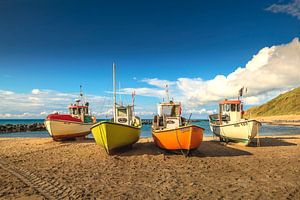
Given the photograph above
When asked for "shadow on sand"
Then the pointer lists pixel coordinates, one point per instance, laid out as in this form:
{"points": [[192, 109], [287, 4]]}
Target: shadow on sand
{"points": [[217, 149], [141, 148], [207, 149], [273, 142], [84, 140]]}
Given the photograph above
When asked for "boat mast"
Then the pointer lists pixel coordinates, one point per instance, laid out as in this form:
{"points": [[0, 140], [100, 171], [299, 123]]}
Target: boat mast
{"points": [[167, 93], [81, 95], [115, 93]]}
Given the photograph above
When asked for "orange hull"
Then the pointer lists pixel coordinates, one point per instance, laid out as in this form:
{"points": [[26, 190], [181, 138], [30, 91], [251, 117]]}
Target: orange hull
{"points": [[187, 138]]}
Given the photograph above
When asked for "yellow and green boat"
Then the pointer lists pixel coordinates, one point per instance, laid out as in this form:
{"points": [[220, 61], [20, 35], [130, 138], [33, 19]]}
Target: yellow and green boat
{"points": [[112, 136], [123, 131]]}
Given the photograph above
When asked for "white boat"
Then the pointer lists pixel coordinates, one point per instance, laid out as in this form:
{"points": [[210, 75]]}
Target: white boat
{"points": [[63, 128], [75, 124], [229, 124]]}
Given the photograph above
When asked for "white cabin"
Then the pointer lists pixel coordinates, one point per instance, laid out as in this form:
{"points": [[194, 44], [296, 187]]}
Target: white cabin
{"points": [[125, 115], [169, 116], [232, 110]]}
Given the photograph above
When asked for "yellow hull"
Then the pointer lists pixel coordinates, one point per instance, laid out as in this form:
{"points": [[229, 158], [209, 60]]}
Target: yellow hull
{"points": [[113, 135]]}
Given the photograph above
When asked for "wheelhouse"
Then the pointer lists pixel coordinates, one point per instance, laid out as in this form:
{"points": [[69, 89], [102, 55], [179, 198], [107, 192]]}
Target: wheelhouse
{"points": [[169, 109], [125, 115], [169, 116], [231, 109], [80, 111]]}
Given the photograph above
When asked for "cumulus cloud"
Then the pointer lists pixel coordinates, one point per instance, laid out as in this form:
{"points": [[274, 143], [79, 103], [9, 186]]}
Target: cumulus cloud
{"points": [[292, 8], [158, 83], [39, 103], [271, 71], [148, 92]]}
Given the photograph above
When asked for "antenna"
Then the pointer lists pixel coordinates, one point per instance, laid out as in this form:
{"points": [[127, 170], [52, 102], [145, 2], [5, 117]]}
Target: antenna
{"points": [[133, 99], [167, 93], [240, 94], [115, 96], [81, 95], [120, 95]]}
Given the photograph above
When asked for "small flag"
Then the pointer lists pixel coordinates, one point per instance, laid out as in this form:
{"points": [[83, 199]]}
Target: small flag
{"points": [[241, 91]]}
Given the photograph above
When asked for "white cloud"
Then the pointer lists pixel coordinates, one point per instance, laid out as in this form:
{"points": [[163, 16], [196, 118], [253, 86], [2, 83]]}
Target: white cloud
{"points": [[271, 71], [292, 8], [158, 83], [39, 103], [6, 92], [149, 92], [201, 111], [35, 91]]}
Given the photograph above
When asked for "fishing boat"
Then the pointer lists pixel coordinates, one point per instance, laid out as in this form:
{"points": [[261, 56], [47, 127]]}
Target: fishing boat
{"points": [[229, 124], [170, 131], [73, 125], [123, 131]]}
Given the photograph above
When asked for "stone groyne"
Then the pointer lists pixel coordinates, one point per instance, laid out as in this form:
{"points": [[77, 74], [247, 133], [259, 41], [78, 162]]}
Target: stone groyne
{"points": [[13, 128]]}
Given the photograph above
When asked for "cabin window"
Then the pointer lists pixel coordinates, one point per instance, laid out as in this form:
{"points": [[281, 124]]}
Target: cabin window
{"points": [[172, 111], [233, 107], [74, 111], [238, 108], [79, 111], [227, 107], [122, 112]]}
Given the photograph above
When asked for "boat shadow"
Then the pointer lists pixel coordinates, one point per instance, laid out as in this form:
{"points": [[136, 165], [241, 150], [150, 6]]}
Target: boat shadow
{"points": [[217, 149], [207, 149], [273, 142], [85, 140], [138, 149]]}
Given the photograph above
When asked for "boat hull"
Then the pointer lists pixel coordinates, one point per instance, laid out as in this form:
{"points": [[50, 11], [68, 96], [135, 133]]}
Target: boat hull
{"points": [[112, 136], [243, 131], [61, 130], [183, 138]]}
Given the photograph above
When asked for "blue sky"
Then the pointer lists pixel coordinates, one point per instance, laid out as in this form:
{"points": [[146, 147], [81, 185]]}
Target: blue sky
{"points": [[55, 46]]}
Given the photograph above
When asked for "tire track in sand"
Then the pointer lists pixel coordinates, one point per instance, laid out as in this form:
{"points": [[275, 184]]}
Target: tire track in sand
{"points": [[52, 189], [49, 189]]}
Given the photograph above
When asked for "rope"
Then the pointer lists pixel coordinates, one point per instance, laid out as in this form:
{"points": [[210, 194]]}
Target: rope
{"points": [[181, 149]]}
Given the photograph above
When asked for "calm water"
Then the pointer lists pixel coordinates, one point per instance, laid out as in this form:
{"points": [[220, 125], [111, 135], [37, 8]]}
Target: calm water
{"points": [[146, 129]]}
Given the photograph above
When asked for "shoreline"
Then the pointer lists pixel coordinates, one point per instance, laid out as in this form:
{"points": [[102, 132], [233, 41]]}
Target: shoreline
{"points": [[39, 167], [280, 120]]}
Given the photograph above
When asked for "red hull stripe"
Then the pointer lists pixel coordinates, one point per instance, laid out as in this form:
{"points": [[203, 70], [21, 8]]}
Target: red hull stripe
{"points": [[62, 117]]}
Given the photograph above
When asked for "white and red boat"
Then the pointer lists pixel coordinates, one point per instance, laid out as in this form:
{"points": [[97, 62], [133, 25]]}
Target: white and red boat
{"points": [[75, 124]]}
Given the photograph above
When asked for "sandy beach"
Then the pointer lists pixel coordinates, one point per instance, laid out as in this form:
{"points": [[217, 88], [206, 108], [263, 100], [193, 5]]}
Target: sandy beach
{"points": [[38, 168], [289, 120]]}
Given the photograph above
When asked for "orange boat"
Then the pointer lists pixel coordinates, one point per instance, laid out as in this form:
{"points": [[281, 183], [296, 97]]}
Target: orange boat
{"points": [[170, 131]]}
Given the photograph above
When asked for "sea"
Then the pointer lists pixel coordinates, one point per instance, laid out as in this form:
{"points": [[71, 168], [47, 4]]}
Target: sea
{"points": [[270, 130]]}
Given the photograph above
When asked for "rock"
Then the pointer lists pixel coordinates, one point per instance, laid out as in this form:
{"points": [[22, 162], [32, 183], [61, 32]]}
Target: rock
{"points": [[12, 128]]}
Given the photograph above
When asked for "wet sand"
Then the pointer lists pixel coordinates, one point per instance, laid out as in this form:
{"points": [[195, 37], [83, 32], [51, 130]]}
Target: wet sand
{"points": [[40, 168]]}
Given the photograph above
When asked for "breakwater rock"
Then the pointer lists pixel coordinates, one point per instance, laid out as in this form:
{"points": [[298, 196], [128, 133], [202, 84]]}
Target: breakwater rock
{"points": [[13, 128], [146, 121]]}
